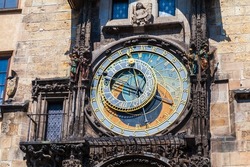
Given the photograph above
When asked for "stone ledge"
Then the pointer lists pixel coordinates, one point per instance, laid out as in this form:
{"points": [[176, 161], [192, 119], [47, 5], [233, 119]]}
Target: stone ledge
{"points": [[128, 28], [242, 95], [13, 107], [11, 11]]}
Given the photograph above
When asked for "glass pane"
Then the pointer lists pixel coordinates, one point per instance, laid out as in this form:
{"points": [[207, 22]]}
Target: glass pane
{"points": [[3, 65], [2, 79], [1, 94], [120, 9], [11, 4], [1, 4], [166, 7], [54, 123]]}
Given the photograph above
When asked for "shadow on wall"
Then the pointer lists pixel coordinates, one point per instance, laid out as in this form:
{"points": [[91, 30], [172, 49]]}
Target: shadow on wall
{"points": [[214, 22]]}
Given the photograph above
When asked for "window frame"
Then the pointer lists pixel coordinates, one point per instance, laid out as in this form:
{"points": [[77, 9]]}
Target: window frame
{"points": [[9, 8], [6, 55], [49, 102], [112, 10]]}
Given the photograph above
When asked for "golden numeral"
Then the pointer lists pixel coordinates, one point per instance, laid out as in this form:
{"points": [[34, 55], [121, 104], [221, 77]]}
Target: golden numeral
{"points": [[143, 47], [154, 49], [122, 131], [184, 79], [183, 102], [110, 59], [140, 55], [131, 49], [180, 69], [112, 126], [96, 77], [164, 53], [120, 52]]}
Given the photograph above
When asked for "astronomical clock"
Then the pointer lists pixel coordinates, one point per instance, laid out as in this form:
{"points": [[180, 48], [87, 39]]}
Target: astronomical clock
{"points": [[139, 90], [137, 93]]}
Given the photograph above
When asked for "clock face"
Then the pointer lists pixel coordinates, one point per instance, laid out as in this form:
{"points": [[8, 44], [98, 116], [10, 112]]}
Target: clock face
{"points": [[139, 90]]}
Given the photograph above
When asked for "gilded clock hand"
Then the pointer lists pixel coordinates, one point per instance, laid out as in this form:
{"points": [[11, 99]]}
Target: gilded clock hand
{"points": [[139, 91], [166, 100], [145, 116], [126, 84]]}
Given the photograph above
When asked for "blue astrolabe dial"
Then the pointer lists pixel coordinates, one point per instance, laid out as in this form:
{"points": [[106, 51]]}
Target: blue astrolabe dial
{"points": [[139, 90], [128, 85]]}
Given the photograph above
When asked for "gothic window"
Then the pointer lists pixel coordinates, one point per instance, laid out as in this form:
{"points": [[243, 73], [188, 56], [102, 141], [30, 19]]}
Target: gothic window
{"points": [[4, 63], [54, 121], [120, 9], [8, 4], [166, 7]]}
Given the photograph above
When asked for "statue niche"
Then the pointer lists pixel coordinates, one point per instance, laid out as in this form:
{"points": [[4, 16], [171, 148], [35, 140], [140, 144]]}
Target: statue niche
{"points": [[142, 14]]}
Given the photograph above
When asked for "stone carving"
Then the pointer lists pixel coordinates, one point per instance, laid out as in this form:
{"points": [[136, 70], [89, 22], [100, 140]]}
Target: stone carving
{"points": [[142, 14], [192, 61], [74, 64], [5, 127], [12, 82], [44, 155], [72, 162], [49, 86], [167, 150]]}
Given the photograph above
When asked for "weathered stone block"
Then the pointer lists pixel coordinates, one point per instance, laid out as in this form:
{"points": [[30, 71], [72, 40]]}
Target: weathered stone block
{"points": [[225, 3], [35, 18], [217, 122], [32, 26], [5, 142], [240, 158], [58, 25], [245, 29], [63, 16], [239, 10], [13, 129], [5, 164], [245, 134], [234, 84], [18, 163], [219, 93], [245, 83], [217, 160], [219, 110], [220, 131]]}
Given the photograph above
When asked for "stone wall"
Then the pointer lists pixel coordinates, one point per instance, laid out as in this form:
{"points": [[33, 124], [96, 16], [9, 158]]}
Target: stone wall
{"points": [[229, 25], [40, 36]]}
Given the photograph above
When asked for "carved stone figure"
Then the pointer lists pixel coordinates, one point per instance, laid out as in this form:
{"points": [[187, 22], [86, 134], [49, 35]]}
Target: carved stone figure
{"points": [[74, 64], [203, 55], [12, 84], [192, 61], [142, 15]]}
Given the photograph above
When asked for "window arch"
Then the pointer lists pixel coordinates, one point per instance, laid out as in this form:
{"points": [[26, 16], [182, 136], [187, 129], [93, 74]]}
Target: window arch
{"points": [[166, 7]]}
